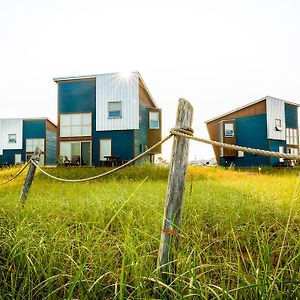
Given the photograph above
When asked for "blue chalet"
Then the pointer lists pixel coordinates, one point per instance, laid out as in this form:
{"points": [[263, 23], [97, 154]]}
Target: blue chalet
{"points": [[267, 124], [20, 137], [106, 118]]}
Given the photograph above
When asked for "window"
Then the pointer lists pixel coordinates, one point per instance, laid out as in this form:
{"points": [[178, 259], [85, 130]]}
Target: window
{"points": [[154, 120], [281, 150], [241, 154], [293, 151], [229, 132], [12, 138], [114, 110], [278, 124], [31, 145], [75, 124], [292, 136]]}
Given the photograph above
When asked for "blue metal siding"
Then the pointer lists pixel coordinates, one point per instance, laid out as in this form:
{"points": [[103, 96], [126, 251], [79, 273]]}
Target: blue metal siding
{"points": [[77, 96], [141, 134], [80, 96], [291, 116], [274, 146], [250, 132], [121, 144], [50, 147], [32, 129], [8, 156]]}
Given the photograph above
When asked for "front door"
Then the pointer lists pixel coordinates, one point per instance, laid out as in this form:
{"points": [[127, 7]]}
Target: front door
{"points": [[105, 148]]}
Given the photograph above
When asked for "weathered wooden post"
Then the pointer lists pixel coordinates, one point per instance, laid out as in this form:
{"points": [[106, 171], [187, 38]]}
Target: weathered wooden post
{"points": [[174, 202], [30, 175]]}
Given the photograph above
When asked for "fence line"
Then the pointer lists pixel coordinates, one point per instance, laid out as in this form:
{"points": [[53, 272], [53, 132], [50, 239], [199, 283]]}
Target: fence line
{"points": [[106, 173], [16, 175], [182, 132]]}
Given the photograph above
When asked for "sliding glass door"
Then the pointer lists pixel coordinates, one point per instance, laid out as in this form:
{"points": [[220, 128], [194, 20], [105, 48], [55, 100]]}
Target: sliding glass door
{"points": [[76, 153]]}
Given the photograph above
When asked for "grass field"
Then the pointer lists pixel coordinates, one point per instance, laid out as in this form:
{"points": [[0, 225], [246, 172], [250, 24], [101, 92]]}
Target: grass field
{"points": [[99, 240]]}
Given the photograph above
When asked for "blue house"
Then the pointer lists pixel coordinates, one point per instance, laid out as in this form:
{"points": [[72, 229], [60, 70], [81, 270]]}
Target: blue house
{"points": [[268, 124], [20, 137], [106, 117]]}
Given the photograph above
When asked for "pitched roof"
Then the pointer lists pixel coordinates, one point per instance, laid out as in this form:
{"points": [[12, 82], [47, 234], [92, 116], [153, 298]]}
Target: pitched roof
{"points": [[249, 104]]}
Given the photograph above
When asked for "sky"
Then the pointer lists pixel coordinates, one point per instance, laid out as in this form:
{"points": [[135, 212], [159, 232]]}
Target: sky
{"points": [[218, 55]]}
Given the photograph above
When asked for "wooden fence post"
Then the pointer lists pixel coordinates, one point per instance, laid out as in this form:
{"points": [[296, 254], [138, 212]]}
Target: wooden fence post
{"points": [[174, 201], [30, 175]]}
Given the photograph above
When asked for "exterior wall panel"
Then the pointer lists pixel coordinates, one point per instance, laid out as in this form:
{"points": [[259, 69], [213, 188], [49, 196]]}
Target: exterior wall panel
{"points": [[121, 144], [213, 126], [251, 132], [275, 110], [141, 134], [50, 147], [114, 88], [291, 116], [73, 97], [274, 146], [11, 126], [8, 157]]}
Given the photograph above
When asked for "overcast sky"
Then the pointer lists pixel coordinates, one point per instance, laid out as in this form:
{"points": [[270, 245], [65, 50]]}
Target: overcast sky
{"points": [[219, 55]]}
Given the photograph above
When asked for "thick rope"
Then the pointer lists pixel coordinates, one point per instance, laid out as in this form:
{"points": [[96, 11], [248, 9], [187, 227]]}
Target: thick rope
{"points": [[15, 176], [106, 173], [182, 133]]}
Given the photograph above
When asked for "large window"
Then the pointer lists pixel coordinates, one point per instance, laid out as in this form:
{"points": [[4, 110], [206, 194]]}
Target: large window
{"points": [[114, 109], [291, 136], [228, 130], [31, 145], [75, 124], [154, 120]]}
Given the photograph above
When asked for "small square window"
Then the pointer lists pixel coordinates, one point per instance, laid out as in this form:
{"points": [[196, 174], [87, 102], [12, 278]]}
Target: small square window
{"points": [[229, 131], [154, 120], [12, 138], [114, 110], [241, 154], [278, 124]]}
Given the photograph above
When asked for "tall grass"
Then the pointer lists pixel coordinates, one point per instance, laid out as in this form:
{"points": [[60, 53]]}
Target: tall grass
{"points": [[99, 240]]}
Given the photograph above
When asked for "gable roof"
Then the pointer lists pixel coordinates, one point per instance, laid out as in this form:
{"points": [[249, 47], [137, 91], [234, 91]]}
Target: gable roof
{"points": [[249, 104], [141, 81]]}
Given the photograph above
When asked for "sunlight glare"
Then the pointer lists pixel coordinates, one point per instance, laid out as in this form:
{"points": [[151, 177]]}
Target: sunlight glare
{"points": [[125, 74]]}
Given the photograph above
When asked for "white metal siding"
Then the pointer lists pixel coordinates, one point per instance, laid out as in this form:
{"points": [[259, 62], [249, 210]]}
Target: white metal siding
{"points": [[114, 88], [11, 126], [275, 110]]}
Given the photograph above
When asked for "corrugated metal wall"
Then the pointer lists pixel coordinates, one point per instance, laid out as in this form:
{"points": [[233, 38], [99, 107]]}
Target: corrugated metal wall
{"points": [[291, 116], [50, 147], [114, 88], [11, 126], [141, 135], [275, 110]]}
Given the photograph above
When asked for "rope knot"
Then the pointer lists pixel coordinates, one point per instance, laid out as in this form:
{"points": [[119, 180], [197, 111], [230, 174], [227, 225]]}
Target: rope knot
{"points": [[183, 130]]}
